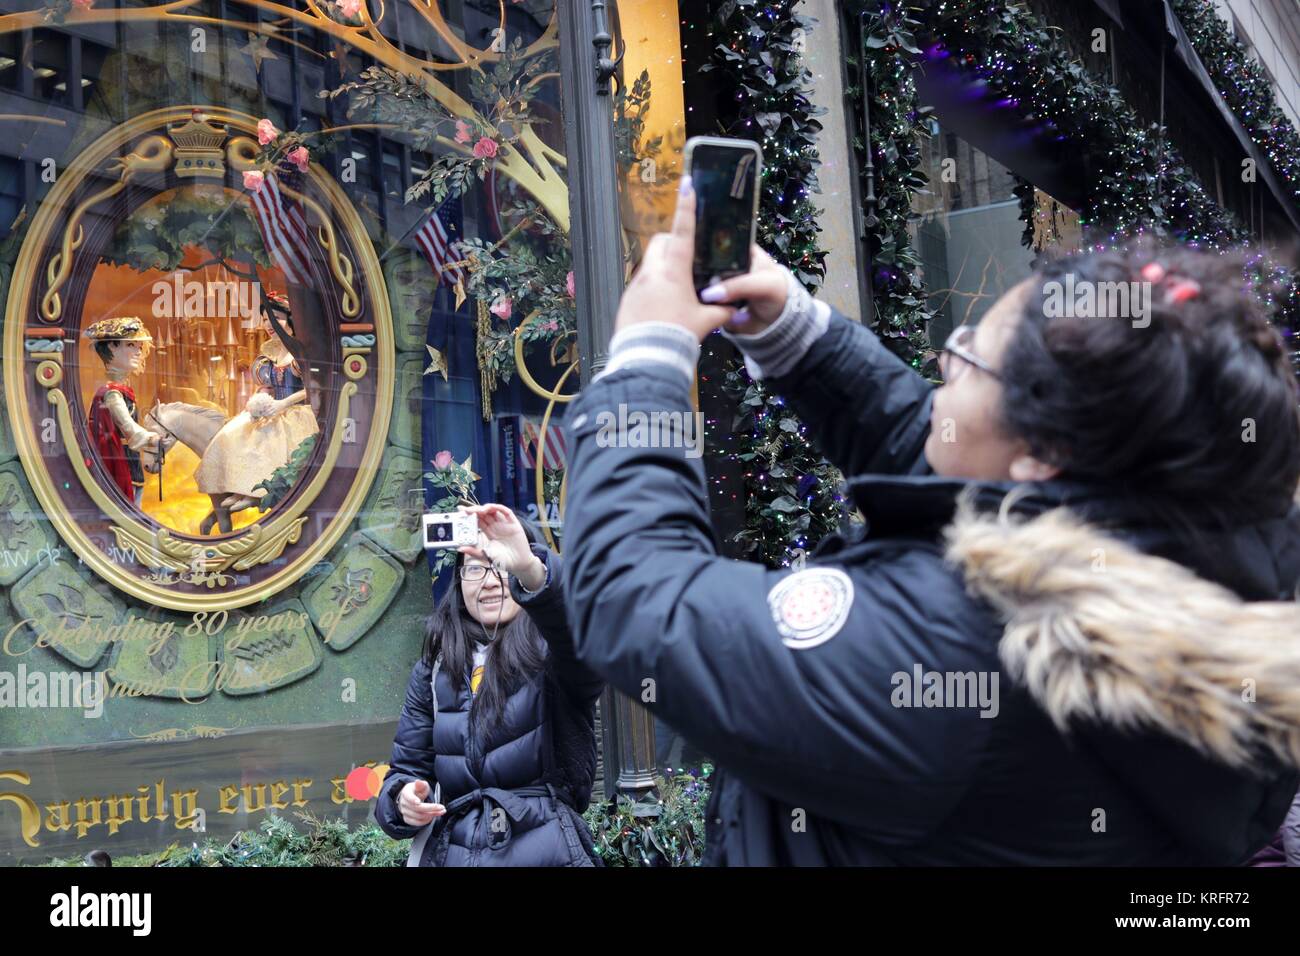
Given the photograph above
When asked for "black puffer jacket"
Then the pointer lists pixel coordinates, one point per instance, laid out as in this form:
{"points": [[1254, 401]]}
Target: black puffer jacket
{"points": [[1068, 683], [537, 767]]}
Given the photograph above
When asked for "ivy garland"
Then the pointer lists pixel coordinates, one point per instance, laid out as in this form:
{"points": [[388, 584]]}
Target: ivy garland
{"points": [[901, 316], [1137, 183], [1245, 87], [792, 495]]}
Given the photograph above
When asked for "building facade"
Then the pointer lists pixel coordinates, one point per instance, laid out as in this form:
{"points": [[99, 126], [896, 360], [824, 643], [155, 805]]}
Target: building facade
{"points": [[441, 201]]}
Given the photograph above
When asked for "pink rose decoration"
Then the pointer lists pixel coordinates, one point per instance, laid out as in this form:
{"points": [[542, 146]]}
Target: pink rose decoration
{"points": [[551, 326], [503, 307], [485, 148], [569, 284], [253, 179], [266, 132], [350, 8], [299, 157], [462, 132], [442, 460], [83, 4]]}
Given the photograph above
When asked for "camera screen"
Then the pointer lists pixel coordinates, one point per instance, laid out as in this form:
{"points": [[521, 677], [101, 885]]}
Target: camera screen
{"points": [[438, 532], [724, 179]]}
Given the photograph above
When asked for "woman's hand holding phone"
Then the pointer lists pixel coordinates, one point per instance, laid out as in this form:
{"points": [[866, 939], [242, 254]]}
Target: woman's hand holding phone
{"points": [[410, 802], [663, 289], [764, 290]]}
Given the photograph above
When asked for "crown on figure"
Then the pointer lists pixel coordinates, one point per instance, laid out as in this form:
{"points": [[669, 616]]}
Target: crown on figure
{"points": [[198, 147], [125, 328]]}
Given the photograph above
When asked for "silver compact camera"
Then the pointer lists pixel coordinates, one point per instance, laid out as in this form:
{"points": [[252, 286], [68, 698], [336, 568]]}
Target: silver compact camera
{"points": [[450, 529]]}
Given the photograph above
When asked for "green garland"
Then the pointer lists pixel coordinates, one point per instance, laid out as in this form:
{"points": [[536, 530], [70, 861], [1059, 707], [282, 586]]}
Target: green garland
{"points": [[663, 830], [667, 830], [1245, 87], [1136, 182], [792, 494], [277, 842], [901, 316]]}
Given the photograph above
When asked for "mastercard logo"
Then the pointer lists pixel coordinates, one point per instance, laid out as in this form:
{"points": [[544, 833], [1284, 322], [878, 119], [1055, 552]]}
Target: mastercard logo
{"points": [[363, 783]]}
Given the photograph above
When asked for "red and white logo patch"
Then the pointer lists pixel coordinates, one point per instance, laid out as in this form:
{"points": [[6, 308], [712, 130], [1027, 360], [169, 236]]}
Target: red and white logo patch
{"points": [[809, 607]]}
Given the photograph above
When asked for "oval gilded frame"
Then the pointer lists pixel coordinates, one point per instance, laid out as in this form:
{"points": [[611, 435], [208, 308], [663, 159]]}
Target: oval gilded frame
{"points": [[285, 526]]}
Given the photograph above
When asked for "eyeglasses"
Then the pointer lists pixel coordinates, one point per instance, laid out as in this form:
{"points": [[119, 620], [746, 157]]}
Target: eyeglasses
{"points": [[958, 344], [474, 572]]}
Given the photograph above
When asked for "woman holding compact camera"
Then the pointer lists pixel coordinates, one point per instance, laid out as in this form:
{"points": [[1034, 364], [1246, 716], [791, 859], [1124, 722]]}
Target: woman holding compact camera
{"points": [[495, 752]]}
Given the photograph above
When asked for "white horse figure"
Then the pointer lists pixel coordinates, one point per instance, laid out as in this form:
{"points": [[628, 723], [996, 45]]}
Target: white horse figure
{"points": [[193, 426]]}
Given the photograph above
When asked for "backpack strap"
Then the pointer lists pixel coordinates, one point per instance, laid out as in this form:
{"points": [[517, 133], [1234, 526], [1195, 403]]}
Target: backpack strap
{"points": [[421, 839]]}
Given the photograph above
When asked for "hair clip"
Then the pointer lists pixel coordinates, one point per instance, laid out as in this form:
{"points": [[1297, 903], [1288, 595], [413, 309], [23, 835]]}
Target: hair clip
{"points": [[1182, 289], [1153, 272]]}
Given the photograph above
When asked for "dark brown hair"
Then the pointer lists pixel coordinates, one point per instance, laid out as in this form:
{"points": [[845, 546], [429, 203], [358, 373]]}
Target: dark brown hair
{"points": [[103, 348], [1197, 409], [514, 655]]}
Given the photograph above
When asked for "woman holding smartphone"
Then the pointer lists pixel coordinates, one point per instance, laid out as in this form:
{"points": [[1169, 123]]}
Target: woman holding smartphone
{"points": [[1069, 633], [499, 717]]}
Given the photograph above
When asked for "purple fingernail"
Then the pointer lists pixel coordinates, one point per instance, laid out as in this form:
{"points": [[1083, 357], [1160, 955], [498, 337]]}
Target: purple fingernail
{"points": [[685, 187], [714, 293], [741, 317]]}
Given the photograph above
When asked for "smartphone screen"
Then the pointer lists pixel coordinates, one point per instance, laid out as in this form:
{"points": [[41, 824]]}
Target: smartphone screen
{"points": [[725, 180]]}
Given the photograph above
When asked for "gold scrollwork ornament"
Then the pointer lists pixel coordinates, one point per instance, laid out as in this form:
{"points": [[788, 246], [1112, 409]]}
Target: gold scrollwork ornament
{"points": [[166, 560]]}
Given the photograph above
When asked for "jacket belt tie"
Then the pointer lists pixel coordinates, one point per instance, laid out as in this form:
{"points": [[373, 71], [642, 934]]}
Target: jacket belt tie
{"points": [[514, 803]]}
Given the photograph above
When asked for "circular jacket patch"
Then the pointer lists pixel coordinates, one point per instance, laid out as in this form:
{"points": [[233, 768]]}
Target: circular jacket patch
{"points": [[810, 606]]}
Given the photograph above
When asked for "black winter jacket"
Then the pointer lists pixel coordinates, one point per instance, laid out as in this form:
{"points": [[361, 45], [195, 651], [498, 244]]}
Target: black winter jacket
{"points": [[1070, 682], [537, 767]]}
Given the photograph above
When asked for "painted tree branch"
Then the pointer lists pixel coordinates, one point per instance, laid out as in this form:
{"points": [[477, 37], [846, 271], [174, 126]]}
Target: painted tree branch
{"points": [[530, 163]]}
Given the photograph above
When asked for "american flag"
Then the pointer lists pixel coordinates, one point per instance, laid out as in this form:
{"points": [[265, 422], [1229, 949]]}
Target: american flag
{"points": [[556, 446], [284, 231], [435, 239]]}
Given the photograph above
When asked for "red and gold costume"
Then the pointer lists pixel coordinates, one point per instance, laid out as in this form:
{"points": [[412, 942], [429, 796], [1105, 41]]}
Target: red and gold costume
{"points": [[121, 461]]}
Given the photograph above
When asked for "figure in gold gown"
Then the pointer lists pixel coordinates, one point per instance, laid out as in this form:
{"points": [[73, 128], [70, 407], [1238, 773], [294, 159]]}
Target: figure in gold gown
{"points": [[274, 422]]}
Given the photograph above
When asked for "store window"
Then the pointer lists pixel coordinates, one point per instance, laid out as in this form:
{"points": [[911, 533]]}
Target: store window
{"points": [[250, 327], [968, 230]]}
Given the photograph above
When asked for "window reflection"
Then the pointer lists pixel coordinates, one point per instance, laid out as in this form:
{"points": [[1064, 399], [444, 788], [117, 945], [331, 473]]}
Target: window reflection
{"points": [[968, 231]]}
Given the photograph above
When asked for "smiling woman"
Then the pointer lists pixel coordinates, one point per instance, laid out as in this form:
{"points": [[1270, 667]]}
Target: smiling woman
{"points": [[495, 752]]}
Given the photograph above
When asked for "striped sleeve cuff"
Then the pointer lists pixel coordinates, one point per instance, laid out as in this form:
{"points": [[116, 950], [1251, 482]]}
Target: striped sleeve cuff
{"points": [[777, 349], [654, 343]]}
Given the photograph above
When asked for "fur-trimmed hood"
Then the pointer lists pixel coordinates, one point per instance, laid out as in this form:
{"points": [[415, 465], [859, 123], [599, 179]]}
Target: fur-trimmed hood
{"points": [[1098, 631]]}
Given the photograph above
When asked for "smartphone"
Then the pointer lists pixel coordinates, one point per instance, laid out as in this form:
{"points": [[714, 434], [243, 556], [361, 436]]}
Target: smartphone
{"points": [[450, 529], [725, 174]]}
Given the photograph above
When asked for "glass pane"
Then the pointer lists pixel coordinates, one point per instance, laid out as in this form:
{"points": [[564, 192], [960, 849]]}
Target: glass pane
{"points": [[650, 132], [649, 122], [968, 231], [263, 263]]}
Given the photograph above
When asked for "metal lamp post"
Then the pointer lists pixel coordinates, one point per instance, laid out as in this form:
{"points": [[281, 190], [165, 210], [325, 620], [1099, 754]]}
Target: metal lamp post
{"points": [[586, 42]]}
